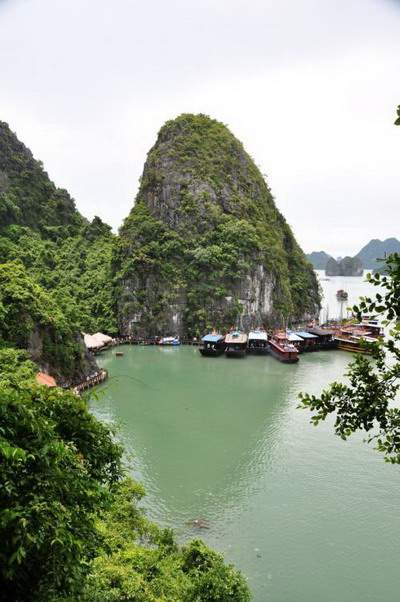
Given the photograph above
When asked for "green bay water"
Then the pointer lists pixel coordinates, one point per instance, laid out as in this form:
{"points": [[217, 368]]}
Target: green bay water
{"points": [[305, 515]]}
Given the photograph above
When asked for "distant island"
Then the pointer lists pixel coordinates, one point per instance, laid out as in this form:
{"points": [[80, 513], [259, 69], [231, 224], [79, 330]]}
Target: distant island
{"points": [[348, 266], [368, 258]]}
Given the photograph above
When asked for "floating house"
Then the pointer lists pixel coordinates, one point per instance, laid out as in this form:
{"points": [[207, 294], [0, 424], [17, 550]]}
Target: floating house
{"points": [[281, 348], [326, 338], [212, 345], [235, 344], [258, 342], [310, 341]]}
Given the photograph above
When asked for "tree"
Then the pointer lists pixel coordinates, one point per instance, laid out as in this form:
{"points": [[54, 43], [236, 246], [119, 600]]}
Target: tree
{"points": [[365, 402], [397, 122], [57, 463]]}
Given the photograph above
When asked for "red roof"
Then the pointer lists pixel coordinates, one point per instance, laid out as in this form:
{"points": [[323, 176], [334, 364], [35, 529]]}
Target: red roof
{"points": [[45, 379]]}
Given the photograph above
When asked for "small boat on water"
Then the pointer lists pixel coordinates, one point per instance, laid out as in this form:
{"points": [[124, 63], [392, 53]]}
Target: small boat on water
{"points": [[258, 342], [281, 348], [236, 344], [212, 345], [169, 341], [119, 353]]}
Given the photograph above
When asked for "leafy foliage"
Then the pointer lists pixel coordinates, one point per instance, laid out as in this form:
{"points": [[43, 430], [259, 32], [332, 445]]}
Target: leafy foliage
{"points": [[366, 402], [15, 367], [141, 562], [31, 319], [57, 462]]}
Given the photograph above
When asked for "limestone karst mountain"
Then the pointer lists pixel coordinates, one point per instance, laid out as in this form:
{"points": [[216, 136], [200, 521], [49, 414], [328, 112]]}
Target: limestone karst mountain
{"points": [[204, 245]]}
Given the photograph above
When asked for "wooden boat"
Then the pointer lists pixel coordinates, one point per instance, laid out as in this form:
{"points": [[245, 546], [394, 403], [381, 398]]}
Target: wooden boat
{"points": [[282, 349], [296, 340], [119, 353], [169, 341], [212, 345], [258, 342], [355, 337], [236, 344], [325, 338], [310, 341]]}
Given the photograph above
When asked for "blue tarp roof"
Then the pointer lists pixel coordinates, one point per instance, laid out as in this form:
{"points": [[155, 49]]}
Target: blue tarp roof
{"points": [[212, 338], [306, 335]]}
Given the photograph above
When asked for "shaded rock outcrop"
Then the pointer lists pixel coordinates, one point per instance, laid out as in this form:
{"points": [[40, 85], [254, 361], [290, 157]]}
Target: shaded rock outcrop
{"points": [[205, 246]]}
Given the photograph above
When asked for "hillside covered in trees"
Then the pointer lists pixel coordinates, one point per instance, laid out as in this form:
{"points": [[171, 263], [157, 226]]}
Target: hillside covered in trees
{"points": [[56, 277]]}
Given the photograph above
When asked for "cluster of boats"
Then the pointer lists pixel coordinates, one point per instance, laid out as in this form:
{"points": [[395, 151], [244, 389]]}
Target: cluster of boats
{"points": [[287, 345], [284, 345]]}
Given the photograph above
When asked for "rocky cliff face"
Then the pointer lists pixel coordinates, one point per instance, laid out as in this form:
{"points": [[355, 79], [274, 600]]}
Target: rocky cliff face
{"points": [[204, 245]]}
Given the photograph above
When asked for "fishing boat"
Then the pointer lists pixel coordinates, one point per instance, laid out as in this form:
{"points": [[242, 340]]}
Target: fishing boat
{"points": [[169, 341], [212, 345], [281, 348], [236, 344], [258, 342]]}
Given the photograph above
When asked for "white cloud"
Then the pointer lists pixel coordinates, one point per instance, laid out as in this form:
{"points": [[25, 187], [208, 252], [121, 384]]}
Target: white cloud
{"points": [[309, 86]]}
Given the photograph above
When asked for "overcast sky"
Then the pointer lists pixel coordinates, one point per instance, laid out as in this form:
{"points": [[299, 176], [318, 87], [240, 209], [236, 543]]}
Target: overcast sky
{"points": [[309, 86]]}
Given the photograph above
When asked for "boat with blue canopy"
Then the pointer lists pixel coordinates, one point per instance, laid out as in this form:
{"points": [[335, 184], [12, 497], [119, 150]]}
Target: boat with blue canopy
{"points": [[213, 344]]}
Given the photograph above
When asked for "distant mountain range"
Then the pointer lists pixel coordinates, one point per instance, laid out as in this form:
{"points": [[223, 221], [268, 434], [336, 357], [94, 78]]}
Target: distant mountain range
{"points": [[369, 255]]}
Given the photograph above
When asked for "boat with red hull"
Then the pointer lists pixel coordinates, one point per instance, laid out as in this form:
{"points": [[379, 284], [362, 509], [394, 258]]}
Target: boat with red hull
{"points": [[282, 349]]}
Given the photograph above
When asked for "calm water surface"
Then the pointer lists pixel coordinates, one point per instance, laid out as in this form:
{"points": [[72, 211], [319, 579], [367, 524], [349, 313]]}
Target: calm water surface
{"points": [[306, 516]]}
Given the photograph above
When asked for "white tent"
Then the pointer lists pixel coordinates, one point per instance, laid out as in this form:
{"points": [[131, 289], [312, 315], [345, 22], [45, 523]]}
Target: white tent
{"points": [[97, 340]]}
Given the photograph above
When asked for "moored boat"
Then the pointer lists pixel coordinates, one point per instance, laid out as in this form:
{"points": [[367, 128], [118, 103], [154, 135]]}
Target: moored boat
{"points": [[282, 349], [169, 341], [325, 337], [212, 345], [235, 344], [257, 342], [310, 341]]}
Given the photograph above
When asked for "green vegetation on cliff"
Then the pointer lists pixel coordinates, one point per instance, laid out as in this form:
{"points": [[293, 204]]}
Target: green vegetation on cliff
{"points": [[205, 244], [67, 263]]}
